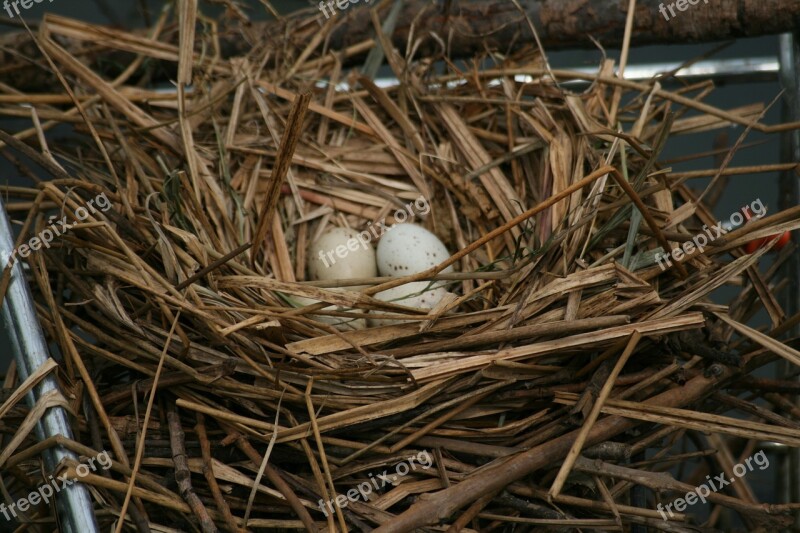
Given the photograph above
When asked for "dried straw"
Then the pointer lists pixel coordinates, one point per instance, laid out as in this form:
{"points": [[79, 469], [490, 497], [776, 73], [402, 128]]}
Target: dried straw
{"points": [[226, 405]]}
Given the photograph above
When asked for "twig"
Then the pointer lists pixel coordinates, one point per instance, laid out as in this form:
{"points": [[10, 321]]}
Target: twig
{"points": [[208, 473], [182, 474]]}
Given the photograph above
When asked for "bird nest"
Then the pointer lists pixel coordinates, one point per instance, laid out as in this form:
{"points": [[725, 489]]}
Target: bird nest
{"points": [[554, 384]]}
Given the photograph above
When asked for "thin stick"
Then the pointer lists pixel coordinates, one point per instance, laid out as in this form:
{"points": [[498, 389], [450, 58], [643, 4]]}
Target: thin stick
{"points": [[182, 473], [575, 450], [519, 219], [140, 445], [291, 136], [275, 478], [623, 61], [208, 473], [323, 456]]}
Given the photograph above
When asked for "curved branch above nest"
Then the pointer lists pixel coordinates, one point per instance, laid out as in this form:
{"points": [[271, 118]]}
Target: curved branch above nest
{"points": [[461, 29], [468, 28]]}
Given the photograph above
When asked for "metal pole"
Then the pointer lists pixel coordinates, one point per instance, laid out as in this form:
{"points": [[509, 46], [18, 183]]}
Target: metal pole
{"points": [[74, 504], [739, 70], [789, 196]]}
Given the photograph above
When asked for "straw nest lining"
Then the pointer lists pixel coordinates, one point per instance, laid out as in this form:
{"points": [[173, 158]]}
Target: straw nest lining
{"points": [[183, 287]]}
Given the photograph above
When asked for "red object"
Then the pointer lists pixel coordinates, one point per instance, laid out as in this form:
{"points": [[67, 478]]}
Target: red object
{"points": [[754, 245]]}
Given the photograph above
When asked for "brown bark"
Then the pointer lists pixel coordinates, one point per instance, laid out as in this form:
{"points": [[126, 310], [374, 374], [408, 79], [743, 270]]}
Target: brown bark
{"points": [[467, 28], [183, 475], [572, 23]]}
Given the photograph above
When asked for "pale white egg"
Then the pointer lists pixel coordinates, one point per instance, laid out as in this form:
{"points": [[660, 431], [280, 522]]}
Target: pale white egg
{"points": [[409, 249], [418, 294], [339, 253]]}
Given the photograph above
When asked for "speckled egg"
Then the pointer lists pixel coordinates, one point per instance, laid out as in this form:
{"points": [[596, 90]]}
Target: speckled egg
{"points": [[408, 249], [418, 294], [340, 254]]}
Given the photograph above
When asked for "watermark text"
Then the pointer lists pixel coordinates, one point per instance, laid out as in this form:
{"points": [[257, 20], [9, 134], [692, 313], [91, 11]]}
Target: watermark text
{"points": [[365, 488], [701, 492]]}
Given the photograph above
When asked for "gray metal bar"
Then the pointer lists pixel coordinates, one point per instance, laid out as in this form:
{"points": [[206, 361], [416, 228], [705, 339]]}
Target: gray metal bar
{"points": [[739, 70], [74, 503], [789, 196]]}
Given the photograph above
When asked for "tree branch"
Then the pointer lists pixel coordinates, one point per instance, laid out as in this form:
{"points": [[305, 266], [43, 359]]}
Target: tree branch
{"points": [[467, 29], [571, 24]]}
